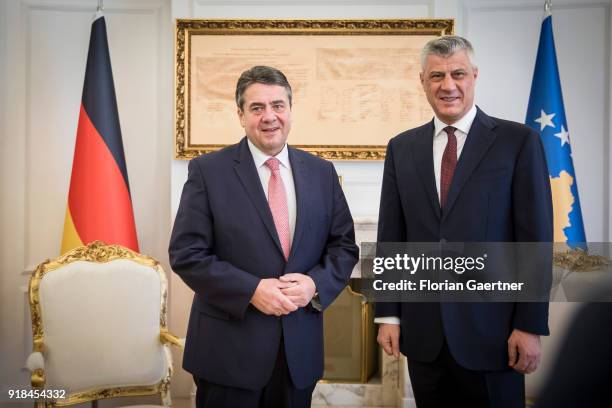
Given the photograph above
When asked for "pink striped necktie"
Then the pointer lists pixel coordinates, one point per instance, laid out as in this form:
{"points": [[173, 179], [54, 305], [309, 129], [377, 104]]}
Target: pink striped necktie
{"points": [[277, 200]]}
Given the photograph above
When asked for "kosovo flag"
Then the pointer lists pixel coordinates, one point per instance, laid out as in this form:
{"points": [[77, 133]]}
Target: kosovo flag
{"points": [[546, 115], [99, 201]]}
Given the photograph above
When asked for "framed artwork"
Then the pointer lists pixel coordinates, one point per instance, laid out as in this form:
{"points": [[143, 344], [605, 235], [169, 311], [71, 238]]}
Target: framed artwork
{"points": [[355, 83]]}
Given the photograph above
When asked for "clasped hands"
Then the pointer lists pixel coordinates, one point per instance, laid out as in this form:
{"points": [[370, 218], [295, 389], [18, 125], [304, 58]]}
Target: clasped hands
{"points": [[284, 295]]}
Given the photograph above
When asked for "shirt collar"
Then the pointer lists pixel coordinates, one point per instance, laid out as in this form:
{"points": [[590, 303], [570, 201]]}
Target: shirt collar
{"points": [[464, 124], [260, 157]]}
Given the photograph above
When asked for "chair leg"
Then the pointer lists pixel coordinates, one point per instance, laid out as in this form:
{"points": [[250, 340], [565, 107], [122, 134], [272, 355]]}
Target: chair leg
{"points": [[166, 398]]}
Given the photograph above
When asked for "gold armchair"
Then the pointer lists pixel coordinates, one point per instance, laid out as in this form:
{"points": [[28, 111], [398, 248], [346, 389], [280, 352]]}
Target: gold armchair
{"points": [[99, 326]]}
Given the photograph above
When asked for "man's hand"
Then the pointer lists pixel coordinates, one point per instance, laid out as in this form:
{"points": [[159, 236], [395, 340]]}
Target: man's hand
{"points": [[269, 298], [300, 290], [524, 351], [388, 338]]}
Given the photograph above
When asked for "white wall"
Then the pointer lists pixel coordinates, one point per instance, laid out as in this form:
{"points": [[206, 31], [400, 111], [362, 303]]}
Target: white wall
{"points": [[43, 46]]}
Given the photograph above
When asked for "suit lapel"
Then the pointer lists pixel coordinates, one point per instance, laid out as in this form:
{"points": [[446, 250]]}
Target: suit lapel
{"points": [[478, 141], [300, 180], [425, 165], [247, 173]]}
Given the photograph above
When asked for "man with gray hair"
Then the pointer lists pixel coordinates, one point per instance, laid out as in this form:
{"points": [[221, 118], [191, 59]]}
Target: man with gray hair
{"points": [[265, 238], [464, 177]]}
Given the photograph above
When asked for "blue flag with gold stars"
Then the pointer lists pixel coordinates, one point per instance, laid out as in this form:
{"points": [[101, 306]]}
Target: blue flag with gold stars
{"points": [[546, 115]]}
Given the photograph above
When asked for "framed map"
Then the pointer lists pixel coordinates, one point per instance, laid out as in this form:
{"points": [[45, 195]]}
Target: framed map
{"points": [[355, 82]]}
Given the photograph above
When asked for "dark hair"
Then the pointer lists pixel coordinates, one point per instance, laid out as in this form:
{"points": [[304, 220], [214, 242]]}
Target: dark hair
{"points": [[260, 74]]}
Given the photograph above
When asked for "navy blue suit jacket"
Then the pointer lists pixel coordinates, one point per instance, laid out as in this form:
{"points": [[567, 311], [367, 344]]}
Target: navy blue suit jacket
{"points": [[224, 241], [500, 192]]}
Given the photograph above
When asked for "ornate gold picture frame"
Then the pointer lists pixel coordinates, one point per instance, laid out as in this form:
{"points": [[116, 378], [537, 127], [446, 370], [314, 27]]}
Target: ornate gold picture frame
{"points": [[355, 82]]}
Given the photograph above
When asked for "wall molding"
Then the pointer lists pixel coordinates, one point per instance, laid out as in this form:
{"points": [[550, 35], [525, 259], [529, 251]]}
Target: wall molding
{"points": [[91, 5], [532, 4], [483, 6], [307, 3], [608, 131], [27, 327], [27, 271]]}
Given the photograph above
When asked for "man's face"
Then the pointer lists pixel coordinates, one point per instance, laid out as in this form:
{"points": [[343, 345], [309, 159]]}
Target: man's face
{"points": [[266, 117], [449, 85]]}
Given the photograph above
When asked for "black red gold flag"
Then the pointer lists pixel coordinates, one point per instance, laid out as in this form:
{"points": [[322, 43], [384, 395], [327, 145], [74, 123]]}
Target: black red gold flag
{"points": [[99, 200]]}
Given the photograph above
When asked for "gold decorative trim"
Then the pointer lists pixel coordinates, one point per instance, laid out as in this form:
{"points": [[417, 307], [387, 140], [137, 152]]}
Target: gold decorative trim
{"points": [[319, 27], [168, 338], [98, 252], [184, 28], [365, 367], [365, 349], [331, 152], [38, 378], [103, 393], [39, 345], [578, 260]]}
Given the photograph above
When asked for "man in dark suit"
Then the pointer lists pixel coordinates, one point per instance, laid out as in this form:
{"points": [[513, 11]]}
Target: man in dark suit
{"points": [[265, 239], [464, 177], [582, 374]]}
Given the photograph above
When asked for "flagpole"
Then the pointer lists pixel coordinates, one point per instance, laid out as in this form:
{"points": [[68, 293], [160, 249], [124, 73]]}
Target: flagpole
{"points": [[547, 8], [99, 10]]}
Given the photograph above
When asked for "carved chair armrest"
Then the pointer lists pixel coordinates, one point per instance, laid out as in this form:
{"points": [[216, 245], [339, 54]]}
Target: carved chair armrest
{"points": [[168, 338], [36, 364]]}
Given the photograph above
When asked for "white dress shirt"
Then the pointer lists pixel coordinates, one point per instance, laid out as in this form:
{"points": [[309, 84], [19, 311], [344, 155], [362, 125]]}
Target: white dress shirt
{"points": [[265, 173], [440, 139]]}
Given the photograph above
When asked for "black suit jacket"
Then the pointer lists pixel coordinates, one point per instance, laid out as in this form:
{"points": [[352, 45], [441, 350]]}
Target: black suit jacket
{"points": [[500, 192], [224, 241]]}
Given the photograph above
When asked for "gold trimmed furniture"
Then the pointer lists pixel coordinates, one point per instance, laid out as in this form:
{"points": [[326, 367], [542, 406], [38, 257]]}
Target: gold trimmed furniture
{"points": [[351, 352], [99, 326]]}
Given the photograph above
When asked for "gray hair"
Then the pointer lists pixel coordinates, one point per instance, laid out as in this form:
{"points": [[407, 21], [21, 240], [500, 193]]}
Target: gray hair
{"points": [[260, 74], [446, 46]]}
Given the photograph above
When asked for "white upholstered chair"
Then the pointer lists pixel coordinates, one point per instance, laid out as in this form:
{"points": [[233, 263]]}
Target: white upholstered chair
{"points": [[99, 325]]}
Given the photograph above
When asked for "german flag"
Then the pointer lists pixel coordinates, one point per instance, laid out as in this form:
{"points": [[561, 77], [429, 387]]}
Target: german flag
{"points": [[99, 201]]}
